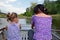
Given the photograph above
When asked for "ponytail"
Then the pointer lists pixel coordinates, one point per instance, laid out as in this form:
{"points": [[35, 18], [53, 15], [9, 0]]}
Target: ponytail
{"points": [[10, 17], [45, 11], [40, 8]]}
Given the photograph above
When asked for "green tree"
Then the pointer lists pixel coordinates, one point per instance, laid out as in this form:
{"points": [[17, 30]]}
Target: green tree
{"points": [[58, 6], [52, 6], [29, 11]]}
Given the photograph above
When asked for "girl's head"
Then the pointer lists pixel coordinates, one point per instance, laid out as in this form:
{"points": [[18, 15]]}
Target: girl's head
{"points": [[40, 9], [12, 17]]}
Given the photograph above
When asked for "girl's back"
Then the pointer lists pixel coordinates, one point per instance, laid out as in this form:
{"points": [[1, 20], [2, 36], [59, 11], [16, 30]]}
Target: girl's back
{"points": [[13, 32]]}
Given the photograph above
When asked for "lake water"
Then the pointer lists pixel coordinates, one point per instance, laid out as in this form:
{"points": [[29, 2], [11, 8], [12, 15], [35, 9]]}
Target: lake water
{"points": [[23, 22]]}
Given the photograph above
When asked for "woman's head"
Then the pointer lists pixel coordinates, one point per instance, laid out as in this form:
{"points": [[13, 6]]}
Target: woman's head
{"points": [[40, 9], [12, 17]]}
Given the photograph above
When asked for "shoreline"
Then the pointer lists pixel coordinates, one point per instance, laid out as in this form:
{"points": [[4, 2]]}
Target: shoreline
{"points": [[29, 17]]}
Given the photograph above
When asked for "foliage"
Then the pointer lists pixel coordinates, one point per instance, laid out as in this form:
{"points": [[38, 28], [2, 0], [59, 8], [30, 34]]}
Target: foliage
{"points": [[52, 6], [56, 21], [2, 15], [29, 11]]}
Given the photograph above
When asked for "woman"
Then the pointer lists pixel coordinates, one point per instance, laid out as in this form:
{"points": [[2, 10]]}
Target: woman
{"points": [[41, 22], [13, 28]]}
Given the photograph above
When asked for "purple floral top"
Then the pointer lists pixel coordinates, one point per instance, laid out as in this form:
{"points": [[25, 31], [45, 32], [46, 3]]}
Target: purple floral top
{"points": [[42, 27]]}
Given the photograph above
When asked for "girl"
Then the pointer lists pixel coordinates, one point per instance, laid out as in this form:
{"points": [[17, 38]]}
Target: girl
{"points": [[13, 28], [41, 22]]}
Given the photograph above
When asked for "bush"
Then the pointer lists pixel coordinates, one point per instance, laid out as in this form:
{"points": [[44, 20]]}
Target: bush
{"points": [[56, 21]]}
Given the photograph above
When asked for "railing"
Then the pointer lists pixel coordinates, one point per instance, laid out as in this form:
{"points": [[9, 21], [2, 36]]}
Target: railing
{"points": [[55, 34], [27, 34], [3, 34], [2, 37]]}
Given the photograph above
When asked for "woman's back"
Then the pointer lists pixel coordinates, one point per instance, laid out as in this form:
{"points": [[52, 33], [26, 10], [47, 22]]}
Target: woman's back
{"points": [[42, 26]]}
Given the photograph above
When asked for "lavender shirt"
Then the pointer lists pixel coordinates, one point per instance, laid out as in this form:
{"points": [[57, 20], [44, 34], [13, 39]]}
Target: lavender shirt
{"points": [[13, 32], [42, 29]]}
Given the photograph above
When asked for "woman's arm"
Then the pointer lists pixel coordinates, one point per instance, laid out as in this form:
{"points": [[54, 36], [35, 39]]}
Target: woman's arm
{"points": [[32, 26], [32, 22]]}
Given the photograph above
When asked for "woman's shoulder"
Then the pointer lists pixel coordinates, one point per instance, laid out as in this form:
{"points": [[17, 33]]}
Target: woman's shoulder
{"points": [[48, 16], [33, 16]]}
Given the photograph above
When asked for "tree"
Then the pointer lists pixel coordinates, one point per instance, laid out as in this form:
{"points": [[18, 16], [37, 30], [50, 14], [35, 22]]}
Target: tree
{"points": [[52, 6], [29, 11], [58, 6]]}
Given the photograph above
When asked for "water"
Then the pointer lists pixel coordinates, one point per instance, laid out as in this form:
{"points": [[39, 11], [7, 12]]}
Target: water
{"points": [[23, 22]]}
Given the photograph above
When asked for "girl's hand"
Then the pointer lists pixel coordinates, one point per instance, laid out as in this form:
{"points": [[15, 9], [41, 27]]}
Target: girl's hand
{"points": [[6, 27], [20, 26]]}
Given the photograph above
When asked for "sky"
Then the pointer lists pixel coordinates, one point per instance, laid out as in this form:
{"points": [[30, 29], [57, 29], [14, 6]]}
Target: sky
{"points": [[18, 6]]}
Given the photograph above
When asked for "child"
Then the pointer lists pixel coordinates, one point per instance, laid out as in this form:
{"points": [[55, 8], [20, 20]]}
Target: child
{"points": [[41, 22], [13, 28]]}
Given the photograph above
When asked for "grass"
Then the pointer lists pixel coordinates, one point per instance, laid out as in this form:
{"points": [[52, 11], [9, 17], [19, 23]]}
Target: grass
{"points": [[2, 15]]}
